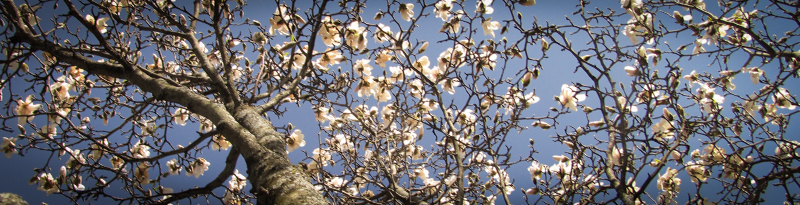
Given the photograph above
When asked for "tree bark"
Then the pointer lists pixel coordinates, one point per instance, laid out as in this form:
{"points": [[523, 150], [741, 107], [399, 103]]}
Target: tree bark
{"points": [[274, 178]]}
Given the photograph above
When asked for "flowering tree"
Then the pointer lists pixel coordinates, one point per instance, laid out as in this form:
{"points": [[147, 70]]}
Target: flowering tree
{"points": [[398, 124]]}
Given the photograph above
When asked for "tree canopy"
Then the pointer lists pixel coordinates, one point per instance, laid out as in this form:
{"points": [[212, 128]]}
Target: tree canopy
{"points": [[415, 102]]}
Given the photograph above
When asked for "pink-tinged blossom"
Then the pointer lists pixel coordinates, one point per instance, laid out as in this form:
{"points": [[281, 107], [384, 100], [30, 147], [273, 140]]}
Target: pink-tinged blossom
{"points": [[569, 97], [691, 77], [197, 167], [632, 71], [9, 146], [181, 116], [755, 74], [47, 183], [174, 167], [330, 32], [237, 181], [362, 67], [709, 99], [787, 149], [382, 58], [783, 99], [406, 11], [140, 150], [142, 173], [329, 57], [454, 25], [219, 142], [26, 107], [490, 26], [669, 182], [449, 85], [383, 33], [443, 8], [536, 170], [355, 36], [484, 7], [97, 149], [295, 141]]}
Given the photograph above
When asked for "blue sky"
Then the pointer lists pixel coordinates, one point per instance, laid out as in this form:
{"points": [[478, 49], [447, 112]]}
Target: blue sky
{"points": [[556, 70]]}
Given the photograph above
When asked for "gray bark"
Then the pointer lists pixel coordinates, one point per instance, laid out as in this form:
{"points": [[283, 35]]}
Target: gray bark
{"points": [[274, 178]]}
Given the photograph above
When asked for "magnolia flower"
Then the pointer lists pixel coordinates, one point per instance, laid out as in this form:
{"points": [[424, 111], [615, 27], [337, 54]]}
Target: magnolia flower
{"points": [[329, 57], [467, 117], [383, 34], [147, 126], [450, 84], [140, 150], [382, 58], [237, 182], [615, 157], [712, 153], [60, 89], [322, 114], [415, 152], [219, 142], [669, 182], [417, 88], [336, 182], [15, 65], [280, 21], [100, 23], [697, 171], [47, 183], [454, 25], [355, 36], [542, 124], [421, 172], [26, 108], [97, 149], [569, 97], [484, 7], [77, 183], [783, 99], [116, 162], [536, 170], [9, 146], [632, 71], [295, 141], [708, 98], [698, 47], [198, 167], [142, 173], [443, 8], [174, 167], [755, 74], [787, 149], [681, 18], [406, 11], [489, 26], [180, 116], [329, 32], [362, 67], [367, 86], [598, 123], [663, 129], [691, 77]]}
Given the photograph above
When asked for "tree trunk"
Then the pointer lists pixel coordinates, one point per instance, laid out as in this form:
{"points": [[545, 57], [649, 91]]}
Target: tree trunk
{"points": [[269, 169]]}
